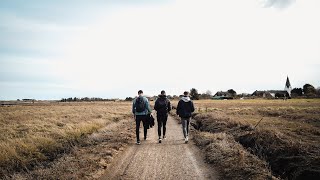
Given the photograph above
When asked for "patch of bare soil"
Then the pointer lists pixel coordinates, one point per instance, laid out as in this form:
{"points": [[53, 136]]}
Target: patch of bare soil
{"points": [[91, 159]]}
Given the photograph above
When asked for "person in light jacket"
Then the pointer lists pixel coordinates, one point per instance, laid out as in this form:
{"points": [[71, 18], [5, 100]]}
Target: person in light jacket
{"points": [[185, 109], [141, 110]]}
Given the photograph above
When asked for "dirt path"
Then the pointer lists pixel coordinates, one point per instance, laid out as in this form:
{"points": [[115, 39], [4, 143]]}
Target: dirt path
{"points": [[172, 159]]}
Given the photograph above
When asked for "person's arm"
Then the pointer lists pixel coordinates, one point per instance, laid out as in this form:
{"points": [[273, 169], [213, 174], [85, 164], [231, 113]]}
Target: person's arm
{"points": [[133, 107], [192, 107], [156, 105], [178, 108], [169, 106], [148, 106]]}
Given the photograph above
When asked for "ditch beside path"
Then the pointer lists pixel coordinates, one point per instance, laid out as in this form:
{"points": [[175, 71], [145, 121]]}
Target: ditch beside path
{"points": [[172, 159]]}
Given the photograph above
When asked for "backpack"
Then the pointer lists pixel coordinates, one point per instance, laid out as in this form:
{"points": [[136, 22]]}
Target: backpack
{"points": [[162, 104], [140, 104]]}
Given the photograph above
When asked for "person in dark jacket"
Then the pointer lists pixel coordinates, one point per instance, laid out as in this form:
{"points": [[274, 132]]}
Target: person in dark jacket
{"points": [[163, 107], [141, 110], [185, 109]]}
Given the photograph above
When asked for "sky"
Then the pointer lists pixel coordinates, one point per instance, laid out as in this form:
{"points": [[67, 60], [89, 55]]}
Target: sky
{"points": [[111, 49]]}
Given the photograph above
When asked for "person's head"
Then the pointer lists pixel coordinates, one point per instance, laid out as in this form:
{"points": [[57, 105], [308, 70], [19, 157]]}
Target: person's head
{"points": [[163, 93], [140, 92], [186, 93]]}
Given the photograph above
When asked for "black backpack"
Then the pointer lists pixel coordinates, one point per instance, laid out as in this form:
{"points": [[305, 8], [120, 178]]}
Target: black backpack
{"points": [[163, 104], [140, 104]]}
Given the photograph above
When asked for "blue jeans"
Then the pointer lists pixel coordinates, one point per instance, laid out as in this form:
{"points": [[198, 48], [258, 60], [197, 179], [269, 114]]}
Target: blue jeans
{"points": [[185, 126]]}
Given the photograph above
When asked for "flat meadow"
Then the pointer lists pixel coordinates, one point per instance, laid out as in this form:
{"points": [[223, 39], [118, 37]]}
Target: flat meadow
{"points": [[242, 139], [260, 138], [35, 133]]}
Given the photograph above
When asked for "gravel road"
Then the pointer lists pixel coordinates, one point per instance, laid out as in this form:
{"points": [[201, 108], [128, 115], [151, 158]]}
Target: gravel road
{"points": [[172, 159]]}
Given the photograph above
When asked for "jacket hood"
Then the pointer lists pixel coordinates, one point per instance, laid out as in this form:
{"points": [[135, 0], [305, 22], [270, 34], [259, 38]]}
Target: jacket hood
{"points": [[185, 99], [162, 96]]}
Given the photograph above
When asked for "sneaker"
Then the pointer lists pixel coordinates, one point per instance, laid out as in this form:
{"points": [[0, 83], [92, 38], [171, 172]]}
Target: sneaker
{"points": [[164, 137], [186, 140], [138, 143], [160, 140], [145, 138]]}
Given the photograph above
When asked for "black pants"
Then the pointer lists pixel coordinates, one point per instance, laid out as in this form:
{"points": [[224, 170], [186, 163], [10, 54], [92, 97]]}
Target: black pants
{"points": [[142, 118], [162, 122]]}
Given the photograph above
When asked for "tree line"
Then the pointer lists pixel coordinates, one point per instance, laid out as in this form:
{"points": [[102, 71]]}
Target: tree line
{"points": [[85, 99], [307, 90]]}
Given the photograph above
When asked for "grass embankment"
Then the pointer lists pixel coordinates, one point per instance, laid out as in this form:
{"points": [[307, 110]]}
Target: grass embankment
{"points": [[35, 134], [287, 140]]}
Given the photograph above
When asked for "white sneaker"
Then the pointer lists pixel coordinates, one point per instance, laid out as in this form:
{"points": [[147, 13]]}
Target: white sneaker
{"points": [[160, 140], [186, 139]]}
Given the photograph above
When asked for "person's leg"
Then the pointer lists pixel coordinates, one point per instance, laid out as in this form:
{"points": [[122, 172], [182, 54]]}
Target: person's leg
{"points": [[188, 127], [159, 125], [138, 119], [145, 126], [165, 118], [184, 124]]}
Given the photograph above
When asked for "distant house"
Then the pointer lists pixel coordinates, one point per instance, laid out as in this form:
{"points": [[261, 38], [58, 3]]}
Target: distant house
{"points": [[270, 94], [259, 93], [222, 95], [29, 100], [286, 93]]}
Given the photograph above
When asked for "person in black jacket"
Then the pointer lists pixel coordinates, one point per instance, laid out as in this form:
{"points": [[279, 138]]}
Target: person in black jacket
{"points": [[185, 109], [162, 106]]}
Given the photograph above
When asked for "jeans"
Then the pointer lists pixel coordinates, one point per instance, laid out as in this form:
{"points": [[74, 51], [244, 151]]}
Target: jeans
{"points": [[162, 122], [185, 126], [144, 119]]}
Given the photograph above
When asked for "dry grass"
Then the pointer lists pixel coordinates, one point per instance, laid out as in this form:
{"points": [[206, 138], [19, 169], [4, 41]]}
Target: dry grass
{"points": [[287, 138], [232, 160], [33, 134]]}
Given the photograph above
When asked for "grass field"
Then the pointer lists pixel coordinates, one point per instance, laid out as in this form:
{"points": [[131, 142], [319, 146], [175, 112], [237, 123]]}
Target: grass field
{"points": [[36, 133], [252, 138], [243, 139]]}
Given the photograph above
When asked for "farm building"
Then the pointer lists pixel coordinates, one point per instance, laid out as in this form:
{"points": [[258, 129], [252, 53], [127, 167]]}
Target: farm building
{"points": [[222, 95], [271, 94], [286, 93]]}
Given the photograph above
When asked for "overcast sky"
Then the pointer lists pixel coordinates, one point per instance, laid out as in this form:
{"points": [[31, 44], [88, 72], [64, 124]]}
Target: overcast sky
{"points": [[110, 49]]}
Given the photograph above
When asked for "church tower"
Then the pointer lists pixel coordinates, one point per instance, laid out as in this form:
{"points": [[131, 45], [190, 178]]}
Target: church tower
{"points": [[288, 87]]}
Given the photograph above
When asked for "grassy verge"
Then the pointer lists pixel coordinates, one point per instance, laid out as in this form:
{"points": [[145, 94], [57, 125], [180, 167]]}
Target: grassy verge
{"points": [[230, 158], [285, 142], [35, 135]]}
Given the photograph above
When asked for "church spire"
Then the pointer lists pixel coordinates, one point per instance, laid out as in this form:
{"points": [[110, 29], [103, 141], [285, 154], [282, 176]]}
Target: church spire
{"points": [[288, 86]]}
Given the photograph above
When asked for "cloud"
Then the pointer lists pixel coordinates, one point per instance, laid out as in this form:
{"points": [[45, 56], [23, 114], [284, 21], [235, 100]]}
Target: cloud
{"points": [[16, 23], [221, 44], [279, 4]]}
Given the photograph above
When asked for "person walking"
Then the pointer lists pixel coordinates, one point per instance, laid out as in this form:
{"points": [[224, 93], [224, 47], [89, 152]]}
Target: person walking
{"points": [[185, 109], [141, 110], [163, 107]]}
